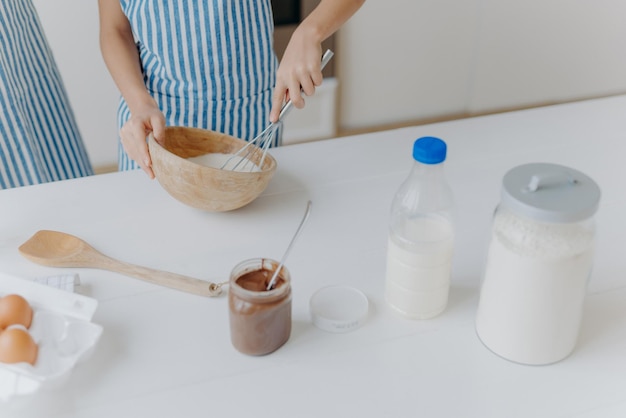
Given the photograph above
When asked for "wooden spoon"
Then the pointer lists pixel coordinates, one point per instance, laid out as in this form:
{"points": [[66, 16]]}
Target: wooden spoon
{"points": [[58, 249]]}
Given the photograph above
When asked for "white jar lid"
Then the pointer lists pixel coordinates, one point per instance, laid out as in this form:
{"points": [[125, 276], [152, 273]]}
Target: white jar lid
{"points": [[550, 193], [338, 308]]}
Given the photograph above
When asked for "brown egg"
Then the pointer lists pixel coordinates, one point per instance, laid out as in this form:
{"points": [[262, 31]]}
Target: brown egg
{"points": [[17, 346], [15, 310]]}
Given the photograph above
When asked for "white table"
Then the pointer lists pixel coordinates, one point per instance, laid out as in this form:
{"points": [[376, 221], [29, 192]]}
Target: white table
{"points": [[165, 353]]}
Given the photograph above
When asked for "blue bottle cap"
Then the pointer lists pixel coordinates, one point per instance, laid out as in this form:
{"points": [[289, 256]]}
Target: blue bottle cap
{"points": [[429, 150]]}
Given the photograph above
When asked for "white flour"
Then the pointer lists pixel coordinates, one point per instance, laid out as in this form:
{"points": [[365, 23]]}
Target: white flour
{"points": [[217, 160], [533, 288]]}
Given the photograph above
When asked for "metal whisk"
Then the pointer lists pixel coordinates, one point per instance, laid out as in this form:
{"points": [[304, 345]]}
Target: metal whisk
{"points": [[241, 160]]}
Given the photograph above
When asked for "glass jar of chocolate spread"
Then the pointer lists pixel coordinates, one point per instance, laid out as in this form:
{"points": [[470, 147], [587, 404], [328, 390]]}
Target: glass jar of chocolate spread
{"points": [[260, 319]]}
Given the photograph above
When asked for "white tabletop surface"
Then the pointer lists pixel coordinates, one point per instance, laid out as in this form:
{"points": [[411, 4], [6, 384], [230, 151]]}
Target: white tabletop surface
{"points": [[164, 353]]}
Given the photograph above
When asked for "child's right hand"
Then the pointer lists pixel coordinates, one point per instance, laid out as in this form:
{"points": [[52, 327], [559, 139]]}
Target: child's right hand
{"points": [[144, 119]]}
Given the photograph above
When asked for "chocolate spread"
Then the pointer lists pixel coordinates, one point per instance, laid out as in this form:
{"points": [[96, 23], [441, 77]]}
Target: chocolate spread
{"points": [[260, 319], [258, 280]]}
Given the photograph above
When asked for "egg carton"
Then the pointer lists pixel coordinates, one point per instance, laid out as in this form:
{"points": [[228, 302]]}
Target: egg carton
{"points": [[62, 329]]}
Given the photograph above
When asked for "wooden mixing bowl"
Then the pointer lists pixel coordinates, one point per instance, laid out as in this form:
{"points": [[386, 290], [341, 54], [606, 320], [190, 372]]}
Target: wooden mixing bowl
{"points": [[201, 186]]}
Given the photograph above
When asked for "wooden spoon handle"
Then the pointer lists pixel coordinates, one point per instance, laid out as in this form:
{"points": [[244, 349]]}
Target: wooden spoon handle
{"points": [[163, 278]]}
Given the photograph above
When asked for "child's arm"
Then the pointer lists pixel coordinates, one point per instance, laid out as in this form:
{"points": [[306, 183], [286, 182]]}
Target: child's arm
{"points": [[300, 68], [122, 59]]}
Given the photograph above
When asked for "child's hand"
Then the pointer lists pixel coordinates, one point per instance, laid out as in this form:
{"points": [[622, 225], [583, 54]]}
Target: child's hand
{"points": [[299, 72], [133, 134], [300, 68]]}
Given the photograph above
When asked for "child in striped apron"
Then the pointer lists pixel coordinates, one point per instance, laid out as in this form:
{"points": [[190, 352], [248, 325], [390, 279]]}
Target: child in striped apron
{"points": [[39, 138], [208, 64]]}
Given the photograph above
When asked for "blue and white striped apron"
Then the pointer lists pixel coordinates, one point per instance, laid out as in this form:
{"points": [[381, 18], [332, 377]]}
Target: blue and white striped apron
{"points": [[208, 64], [39, 138]]}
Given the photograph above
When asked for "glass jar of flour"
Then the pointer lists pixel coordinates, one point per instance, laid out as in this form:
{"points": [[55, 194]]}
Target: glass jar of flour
{"points": [[538, 264]]}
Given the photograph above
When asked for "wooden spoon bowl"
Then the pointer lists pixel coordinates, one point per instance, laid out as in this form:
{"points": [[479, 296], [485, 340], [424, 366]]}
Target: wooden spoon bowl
{"points": [[201, 186]]}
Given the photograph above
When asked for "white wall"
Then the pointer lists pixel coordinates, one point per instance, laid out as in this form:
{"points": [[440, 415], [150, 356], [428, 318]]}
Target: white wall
{"points": [[402, 60], [533, 51]]}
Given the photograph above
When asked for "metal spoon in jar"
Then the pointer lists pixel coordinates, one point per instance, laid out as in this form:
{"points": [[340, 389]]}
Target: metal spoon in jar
{"points": [[272, 282]]}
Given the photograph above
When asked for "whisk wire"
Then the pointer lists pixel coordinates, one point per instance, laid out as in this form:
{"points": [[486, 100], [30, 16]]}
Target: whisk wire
{"points": [[262, 142]]}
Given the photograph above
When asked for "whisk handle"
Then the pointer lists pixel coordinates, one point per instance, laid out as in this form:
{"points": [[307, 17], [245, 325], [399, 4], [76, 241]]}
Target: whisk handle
{"points": [[287, 106]]}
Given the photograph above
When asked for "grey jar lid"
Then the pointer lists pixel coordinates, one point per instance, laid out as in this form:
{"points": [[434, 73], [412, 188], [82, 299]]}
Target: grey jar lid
{"points": [[550, 193]]}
